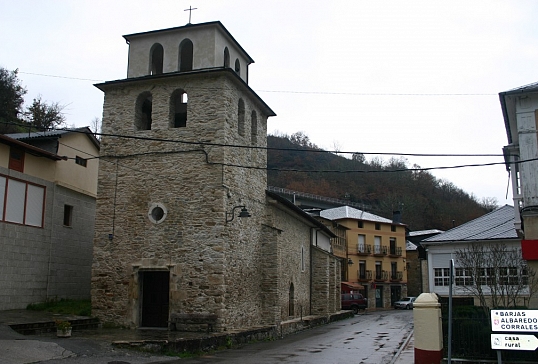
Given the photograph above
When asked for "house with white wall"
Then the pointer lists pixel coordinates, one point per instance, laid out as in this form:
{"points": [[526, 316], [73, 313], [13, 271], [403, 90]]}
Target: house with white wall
{"points": [[494, 228]]}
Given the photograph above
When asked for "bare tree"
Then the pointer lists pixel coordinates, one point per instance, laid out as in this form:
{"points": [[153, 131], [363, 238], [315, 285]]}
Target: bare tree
{"points": [[96, 127], [495, 274]]}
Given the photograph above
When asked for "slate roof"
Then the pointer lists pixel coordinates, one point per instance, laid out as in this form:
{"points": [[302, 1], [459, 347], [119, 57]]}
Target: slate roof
{"points": [[410, 246], [54, 134], [498, 224], [424, 232], [347, 212], [526, 88]]}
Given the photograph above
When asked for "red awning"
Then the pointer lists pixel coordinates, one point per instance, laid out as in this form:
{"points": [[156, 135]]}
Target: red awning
{"points": [[353, 285]]}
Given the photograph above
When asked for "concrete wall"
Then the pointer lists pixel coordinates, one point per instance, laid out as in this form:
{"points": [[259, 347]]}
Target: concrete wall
{"points": [[37, 264]]}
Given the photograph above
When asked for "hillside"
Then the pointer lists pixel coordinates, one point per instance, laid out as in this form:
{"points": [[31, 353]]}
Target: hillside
{"points": [[425, 201]]}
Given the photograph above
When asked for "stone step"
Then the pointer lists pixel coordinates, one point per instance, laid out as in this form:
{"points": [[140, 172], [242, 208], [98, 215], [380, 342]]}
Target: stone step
{"points": [[35, 328]]}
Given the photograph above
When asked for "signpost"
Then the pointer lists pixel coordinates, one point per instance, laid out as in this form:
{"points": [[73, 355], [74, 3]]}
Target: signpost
{"points": [[510, 321], [513, 342]]}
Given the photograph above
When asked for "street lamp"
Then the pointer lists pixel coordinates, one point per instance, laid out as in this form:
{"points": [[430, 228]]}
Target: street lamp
{"points": [[243, 213]]}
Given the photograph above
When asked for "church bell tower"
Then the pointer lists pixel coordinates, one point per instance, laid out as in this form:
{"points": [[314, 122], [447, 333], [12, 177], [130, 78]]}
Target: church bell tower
{"points": [[183, 146]]}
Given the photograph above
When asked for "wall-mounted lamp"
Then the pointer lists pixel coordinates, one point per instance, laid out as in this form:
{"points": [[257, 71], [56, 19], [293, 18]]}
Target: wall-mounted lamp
{"points": [[243, 213], [349, 261]]}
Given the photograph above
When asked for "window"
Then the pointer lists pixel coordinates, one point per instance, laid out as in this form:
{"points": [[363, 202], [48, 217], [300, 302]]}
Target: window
{"points": [[377, 244], [185, 55], [157, 57], [253, 128], [378, 270], [16, 159], [441, 276], [81, 161], [393, 228], [143, 111], [362, 269], [303, 265], [392, 246], [21, 202], [361, 248], [377, 226], [463, 277], [178, 109], [68, 215], [237, 67], [226, 58], [360, 224], [241, 117], [394, 270]]}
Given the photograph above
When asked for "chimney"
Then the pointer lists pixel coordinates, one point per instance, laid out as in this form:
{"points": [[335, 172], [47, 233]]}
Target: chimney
{"points": [[396, 217]]}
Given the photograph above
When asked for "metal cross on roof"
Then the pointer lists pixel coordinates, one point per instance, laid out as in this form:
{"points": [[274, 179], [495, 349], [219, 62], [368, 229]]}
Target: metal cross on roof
{"points": [[190, 9]]}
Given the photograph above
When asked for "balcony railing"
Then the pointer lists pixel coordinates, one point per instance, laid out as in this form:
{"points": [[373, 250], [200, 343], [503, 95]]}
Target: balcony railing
{"points": [[364, 249], [380, 250], [395, 251], [365, 275], [396, 276], [382, 275]]}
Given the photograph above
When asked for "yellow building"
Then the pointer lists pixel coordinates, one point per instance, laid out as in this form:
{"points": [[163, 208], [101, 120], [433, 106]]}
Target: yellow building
{"points": [[375, 254]]}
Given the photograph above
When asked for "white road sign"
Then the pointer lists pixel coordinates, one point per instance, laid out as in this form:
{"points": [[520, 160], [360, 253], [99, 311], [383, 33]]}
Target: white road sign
{"points": [[514, 320], [513, 342]]}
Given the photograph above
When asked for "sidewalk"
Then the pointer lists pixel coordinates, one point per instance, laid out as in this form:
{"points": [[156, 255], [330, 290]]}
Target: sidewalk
{"points": [[406, 354]]}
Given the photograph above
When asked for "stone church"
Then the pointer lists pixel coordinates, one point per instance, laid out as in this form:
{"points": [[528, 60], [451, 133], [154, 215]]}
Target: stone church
{"points": [[184, 223]]}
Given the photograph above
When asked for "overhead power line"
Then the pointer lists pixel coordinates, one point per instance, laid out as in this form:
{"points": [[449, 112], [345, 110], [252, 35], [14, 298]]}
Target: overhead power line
{"points": [[306, 92]]}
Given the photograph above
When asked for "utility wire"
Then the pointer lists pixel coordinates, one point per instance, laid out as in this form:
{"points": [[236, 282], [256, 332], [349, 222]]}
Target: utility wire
{"points": [[301, 92]]}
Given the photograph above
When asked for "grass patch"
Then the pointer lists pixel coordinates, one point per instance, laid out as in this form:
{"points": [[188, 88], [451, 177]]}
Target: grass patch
{"points": [[63, 306]]}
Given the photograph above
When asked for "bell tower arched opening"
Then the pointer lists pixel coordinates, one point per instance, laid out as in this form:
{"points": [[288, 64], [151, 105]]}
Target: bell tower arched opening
{"points": [[178, 109], [144, 106], [185, 55], [156, 59]]}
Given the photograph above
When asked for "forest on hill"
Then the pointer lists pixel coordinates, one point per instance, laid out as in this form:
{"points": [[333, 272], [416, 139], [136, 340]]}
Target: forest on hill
{"points": [[425, 201]]}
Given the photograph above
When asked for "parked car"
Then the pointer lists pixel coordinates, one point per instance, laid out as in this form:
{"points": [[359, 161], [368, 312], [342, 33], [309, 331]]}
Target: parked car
{"points": [[354, 302], [405, 303]]}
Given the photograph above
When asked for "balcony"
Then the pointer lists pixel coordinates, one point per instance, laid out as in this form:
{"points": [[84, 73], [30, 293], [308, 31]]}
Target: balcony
{"points": [[395, 251], [380, 250], [381, 275], [364, 276], [396, 276], [364, 249]]}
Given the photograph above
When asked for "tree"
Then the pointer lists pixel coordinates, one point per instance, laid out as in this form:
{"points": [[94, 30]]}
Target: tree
{"points": [[489, 203], [11, 100], [43, 116], [358, 157], [495, 274], [96, 125]]}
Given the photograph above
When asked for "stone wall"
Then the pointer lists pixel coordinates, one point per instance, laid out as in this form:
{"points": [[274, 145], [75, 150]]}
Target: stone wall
{"points": [[214, 265]]}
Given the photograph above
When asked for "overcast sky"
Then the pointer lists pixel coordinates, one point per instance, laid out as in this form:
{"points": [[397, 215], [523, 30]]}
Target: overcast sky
{"points": [[360, 76]]}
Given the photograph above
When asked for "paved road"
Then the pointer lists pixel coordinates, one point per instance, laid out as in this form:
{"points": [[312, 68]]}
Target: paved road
{"points": [[370, 338], [367, 338]]}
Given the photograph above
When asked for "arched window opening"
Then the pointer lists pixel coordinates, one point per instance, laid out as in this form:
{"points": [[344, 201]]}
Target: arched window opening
{"points": [[237, 67], [291, 304], [157, 57], [241, 117], [185, 55], [178, 109], [226, 58], [253, 128], [143, 111]]}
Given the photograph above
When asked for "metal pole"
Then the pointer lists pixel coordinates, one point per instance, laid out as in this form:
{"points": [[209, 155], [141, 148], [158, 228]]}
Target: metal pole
{"points": [[499, 358], [450, 311]]}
